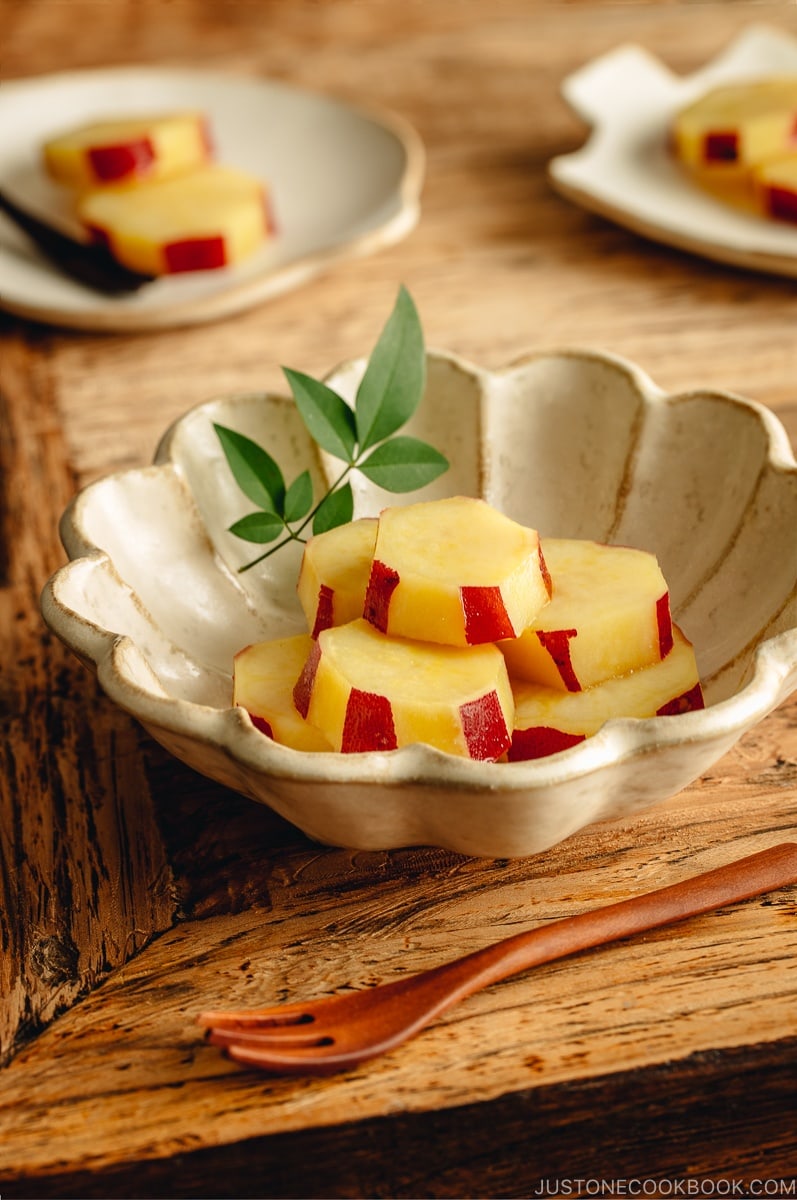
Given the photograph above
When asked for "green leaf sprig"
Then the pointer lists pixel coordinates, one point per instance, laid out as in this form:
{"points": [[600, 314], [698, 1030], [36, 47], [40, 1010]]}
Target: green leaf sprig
{"points": [[364, 437]]}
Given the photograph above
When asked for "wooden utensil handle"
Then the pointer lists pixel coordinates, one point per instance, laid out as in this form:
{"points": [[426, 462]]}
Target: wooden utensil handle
{"points": [[751, 876]]}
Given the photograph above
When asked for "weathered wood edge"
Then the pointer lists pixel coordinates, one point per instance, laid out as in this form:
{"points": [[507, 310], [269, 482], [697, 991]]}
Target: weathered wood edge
{"points": [[84, 880], [698, 1119]]}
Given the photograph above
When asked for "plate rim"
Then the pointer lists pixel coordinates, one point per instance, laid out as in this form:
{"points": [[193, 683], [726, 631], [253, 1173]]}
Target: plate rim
{"points": [[566, 177], [235, 297]]}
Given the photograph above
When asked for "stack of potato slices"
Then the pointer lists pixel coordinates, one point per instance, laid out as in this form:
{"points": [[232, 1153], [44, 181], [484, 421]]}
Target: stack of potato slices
{"points": [[149, 189], [447, 623]]}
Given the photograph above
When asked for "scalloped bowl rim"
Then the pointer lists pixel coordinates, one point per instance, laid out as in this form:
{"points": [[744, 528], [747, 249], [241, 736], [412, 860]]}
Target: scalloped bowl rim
{"points": [[773, 677]]}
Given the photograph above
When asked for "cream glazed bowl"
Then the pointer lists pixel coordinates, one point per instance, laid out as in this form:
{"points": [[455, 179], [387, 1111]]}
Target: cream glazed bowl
{"points": [[573, 443]]}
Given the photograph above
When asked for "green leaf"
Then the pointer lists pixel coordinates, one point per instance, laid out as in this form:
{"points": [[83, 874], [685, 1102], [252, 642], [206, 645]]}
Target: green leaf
{"points": [[258, 527], [389, 393], [299, 497], [393, 383], [403, 464], [337, 508], [327, 416], [255, 471]]}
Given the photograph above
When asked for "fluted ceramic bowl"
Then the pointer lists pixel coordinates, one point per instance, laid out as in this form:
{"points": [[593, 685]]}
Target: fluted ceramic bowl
{"points": [[576, 444]]}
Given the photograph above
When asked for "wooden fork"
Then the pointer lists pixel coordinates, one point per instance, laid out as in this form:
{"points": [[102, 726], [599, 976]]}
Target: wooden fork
{"points": [[341, 1031]]}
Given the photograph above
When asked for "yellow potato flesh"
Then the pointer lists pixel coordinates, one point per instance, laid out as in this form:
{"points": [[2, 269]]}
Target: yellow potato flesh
{"points": [[425, 686], [144, 222], [611, 596], [757, 118], [176, 143], [334, 574], [639, 694], [264, 676], [440, 556]]}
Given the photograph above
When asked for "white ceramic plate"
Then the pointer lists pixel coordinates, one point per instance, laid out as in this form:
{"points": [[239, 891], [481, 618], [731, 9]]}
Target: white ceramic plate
{"points": [[578, 444], [344, 182], [626, 172]]}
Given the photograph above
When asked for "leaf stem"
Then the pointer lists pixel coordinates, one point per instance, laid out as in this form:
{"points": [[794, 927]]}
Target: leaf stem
{"points": [[334, 487], [273, 550], [294, 534]]}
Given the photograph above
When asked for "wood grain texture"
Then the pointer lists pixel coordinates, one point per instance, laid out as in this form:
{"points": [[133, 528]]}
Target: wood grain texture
{"points": [[670, 1056], [84, 879], [668, 1125], [130, 1061]]}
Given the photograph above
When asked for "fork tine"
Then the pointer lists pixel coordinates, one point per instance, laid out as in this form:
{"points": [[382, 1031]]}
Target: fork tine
{"points": [[256, 1018], [283, 1050], [300, 1060], [282, 1036]]}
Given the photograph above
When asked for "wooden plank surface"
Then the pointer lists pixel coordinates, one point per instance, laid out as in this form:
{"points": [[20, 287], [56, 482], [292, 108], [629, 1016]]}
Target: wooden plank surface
{"points": [[672, 1054]]}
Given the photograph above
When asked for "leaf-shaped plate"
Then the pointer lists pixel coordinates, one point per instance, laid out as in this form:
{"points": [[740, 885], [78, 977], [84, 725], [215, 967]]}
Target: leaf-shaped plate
{"points": [[295, 140], [626, 171], [575, 443]]}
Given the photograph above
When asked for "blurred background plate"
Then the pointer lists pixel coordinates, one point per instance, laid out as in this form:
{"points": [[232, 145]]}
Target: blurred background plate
{"points": [[626, 171], [344, 182]]}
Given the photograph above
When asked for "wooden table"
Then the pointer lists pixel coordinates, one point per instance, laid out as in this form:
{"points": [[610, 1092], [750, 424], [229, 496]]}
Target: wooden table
{"points": [[134, 893]]}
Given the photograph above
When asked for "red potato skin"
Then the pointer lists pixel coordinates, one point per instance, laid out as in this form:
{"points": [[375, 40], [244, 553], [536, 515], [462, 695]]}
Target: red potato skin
{"points": [[113, 163], [781, 203], [557, 643], [207, 138], [690, 701], [721, 146], [368, 724], [484, 727], [382, 582], [304, 684], [195, 254], [269, 216], [486, 617], [324, 616], [538, 741], [664, 621], [262, 724], [98, 234], [546, 575]]}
